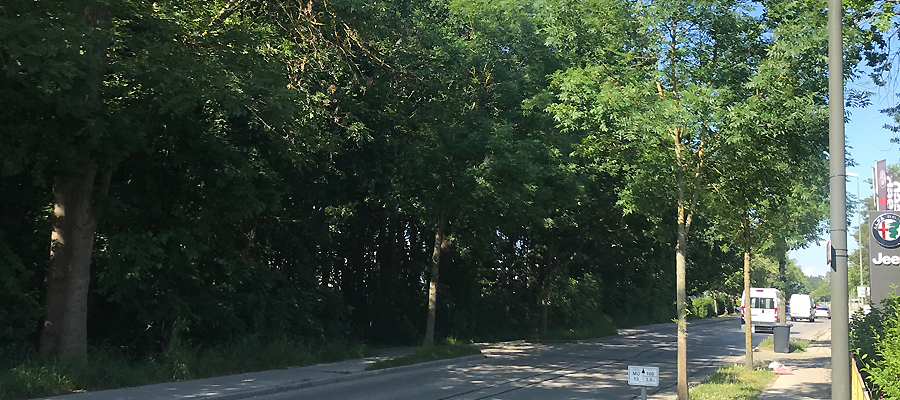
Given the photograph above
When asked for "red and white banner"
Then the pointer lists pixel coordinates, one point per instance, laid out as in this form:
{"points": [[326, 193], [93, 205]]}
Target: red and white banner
{"points": [[887, 190]]}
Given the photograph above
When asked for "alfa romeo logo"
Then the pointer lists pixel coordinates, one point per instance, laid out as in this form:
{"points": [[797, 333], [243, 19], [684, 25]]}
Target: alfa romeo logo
{"points": [[886, 230]]}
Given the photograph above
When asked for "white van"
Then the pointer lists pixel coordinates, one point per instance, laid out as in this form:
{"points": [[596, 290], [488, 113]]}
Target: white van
{"points": [[802, 307], [763, 308]]}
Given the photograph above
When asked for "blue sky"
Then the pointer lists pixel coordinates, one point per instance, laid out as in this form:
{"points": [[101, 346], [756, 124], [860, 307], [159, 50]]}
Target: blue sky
{"points": [[869, 143]]}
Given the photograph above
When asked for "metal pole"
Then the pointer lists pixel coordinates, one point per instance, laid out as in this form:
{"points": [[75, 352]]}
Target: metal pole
{"points": [[643, 393], [840, 327], [874, 191], [859, 228]]}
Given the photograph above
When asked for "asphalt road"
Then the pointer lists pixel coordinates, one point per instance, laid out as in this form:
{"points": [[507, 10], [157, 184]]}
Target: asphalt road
{"points": [[595, 369]]}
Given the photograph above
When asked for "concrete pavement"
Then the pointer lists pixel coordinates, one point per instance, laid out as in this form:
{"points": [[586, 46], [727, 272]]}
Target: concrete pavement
{"points": [[811, 379]]}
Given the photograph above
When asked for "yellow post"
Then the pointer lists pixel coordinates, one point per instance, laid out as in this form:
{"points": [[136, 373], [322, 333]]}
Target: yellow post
{"points": [[857, 386]]}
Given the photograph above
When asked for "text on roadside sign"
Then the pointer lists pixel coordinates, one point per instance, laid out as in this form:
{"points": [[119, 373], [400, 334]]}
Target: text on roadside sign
{"points": [[643, 376]]}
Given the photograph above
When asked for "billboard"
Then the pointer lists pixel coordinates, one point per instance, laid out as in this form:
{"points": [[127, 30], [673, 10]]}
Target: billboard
{"points": [[884, 253]]}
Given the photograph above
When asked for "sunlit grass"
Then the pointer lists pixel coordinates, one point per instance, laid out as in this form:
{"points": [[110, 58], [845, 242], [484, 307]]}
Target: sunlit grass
{"points": [[794, 345], [733, 383]]}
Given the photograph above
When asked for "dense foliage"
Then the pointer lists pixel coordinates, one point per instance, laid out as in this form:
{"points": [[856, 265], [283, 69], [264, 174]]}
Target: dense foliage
{"points": [[875, 340], [280, 169]]}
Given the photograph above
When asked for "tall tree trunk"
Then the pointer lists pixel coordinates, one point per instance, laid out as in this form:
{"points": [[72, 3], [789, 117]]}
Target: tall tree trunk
{"points": [[75, 212], [547, 280], [440, 243], [748, 327], [69, 272], [685, 215], [782, 266], [681, 301]]}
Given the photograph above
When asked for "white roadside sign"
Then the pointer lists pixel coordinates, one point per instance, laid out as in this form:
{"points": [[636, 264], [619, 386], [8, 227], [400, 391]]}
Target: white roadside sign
{"points": [[643, 376], [862, 291]]}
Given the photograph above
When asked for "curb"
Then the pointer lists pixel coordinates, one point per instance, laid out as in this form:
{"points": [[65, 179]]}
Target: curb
{"points": [[337, 379]]}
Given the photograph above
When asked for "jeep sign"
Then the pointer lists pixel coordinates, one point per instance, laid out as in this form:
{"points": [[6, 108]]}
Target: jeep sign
{"points": [[881, 259], [884, 253]]}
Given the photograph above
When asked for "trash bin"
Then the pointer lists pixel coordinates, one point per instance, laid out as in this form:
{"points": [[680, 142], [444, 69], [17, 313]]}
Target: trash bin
{"points": [[782, 333]]}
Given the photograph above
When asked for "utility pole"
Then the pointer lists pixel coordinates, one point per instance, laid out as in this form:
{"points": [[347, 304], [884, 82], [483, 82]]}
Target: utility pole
{"points": [[840, 326]]}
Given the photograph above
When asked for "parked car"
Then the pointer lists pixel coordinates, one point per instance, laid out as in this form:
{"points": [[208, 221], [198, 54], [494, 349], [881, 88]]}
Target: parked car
{"points": [[822, 311], [802, 307]]}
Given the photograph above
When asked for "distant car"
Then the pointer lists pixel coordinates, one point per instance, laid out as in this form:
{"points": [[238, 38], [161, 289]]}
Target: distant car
{"points": [[822, 311], [802, 307]]}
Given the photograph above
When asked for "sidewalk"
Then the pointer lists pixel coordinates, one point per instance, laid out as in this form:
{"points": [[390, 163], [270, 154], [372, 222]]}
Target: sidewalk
{"points": [[252, 384], [812, 372]]}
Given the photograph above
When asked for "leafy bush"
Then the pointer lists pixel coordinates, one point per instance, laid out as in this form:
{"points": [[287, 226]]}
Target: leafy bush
{"points": [[577, 311], [876, 340], [703, 307], [19, 307], [579, 303], [865, 330]]}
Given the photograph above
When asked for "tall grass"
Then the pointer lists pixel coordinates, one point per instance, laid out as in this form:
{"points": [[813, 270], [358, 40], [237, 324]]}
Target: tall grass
{"points": [[34, 376], [794, 345]]}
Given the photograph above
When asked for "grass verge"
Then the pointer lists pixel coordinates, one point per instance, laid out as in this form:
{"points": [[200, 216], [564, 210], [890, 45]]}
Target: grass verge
{"points": [[579, 333], [33, 376], [733, 383], [425, 354], [794, 345]]}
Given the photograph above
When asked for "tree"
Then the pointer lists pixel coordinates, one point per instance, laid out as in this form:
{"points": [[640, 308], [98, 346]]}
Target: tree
{"points": [[821, 288], [57, 66], [325, 169], [693, 119], [766, 272], [108, 81], [676, 119]]}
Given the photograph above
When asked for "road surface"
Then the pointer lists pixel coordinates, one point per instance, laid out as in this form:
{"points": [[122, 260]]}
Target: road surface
{"points": [[595, 369]]}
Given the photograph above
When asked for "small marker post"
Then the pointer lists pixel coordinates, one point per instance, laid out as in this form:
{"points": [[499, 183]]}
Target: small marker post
{"points": [[643, 376]]}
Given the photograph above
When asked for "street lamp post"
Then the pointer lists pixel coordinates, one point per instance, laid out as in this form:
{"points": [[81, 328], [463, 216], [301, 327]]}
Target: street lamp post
{"points": [[840, 327]]}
